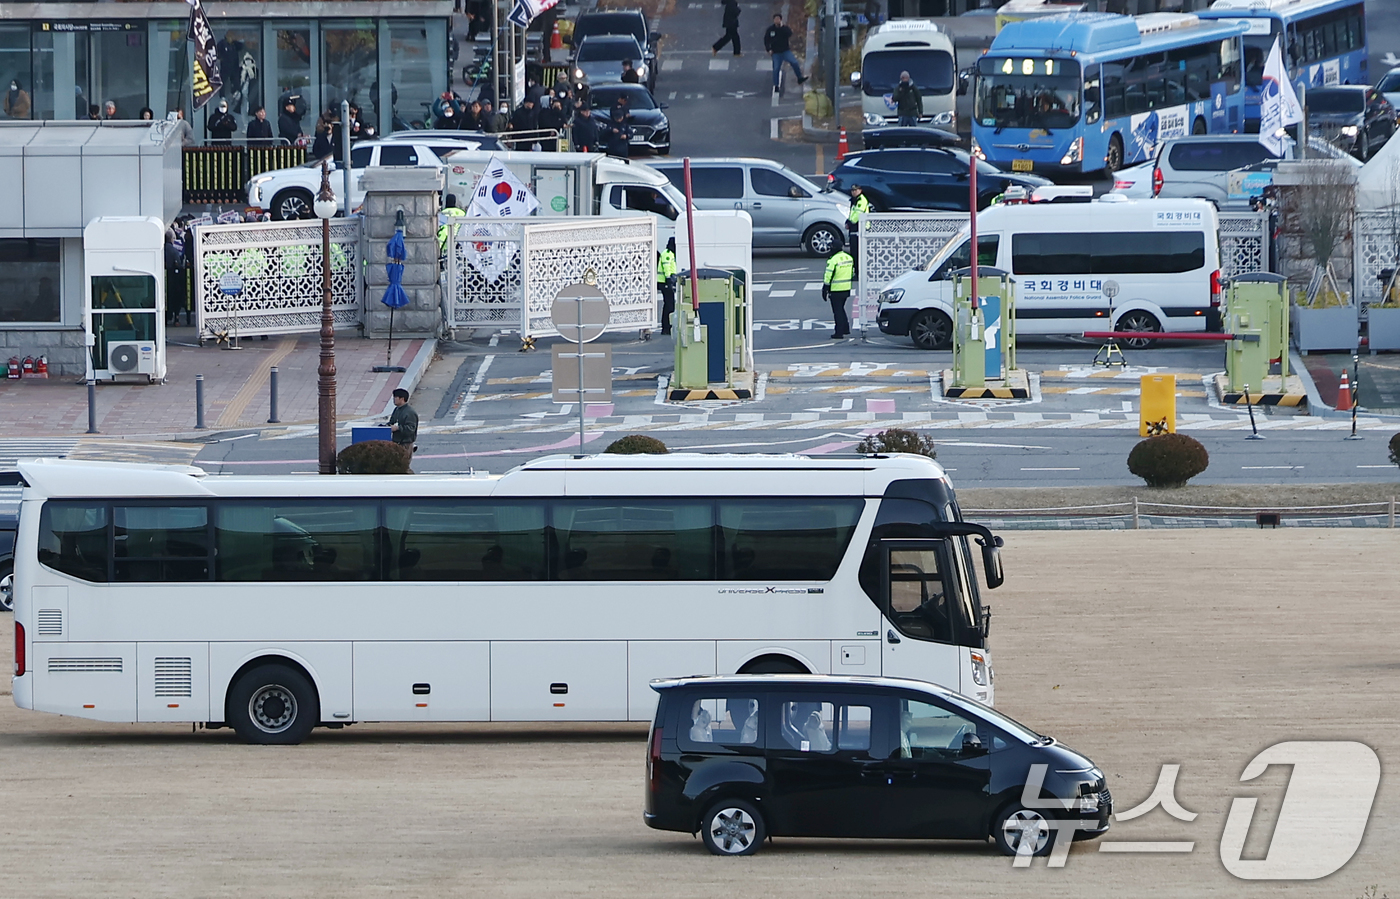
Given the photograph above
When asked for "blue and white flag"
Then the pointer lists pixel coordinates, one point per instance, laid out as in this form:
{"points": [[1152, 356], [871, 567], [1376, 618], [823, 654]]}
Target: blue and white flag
{"points": [[1278, 104], [526, 10]]}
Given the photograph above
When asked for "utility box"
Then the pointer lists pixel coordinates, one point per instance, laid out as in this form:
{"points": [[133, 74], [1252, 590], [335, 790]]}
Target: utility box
{"points": [[1256, 312], [1157, 406], [996, 308], [124, 297], [723, 320]]}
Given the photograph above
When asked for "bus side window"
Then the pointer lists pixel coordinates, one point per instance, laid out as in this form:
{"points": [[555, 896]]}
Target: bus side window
{"points": [[1093, 99], [1112, 80]]}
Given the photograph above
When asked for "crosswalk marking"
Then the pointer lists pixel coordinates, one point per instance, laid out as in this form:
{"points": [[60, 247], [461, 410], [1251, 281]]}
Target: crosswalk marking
{"points": [[671, 65], [766, 65], [719, 65], [14, 449], [782, 293], [812, 285]]}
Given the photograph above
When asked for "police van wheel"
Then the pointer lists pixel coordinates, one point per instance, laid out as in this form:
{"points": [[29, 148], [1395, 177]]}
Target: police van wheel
{"points": [[822, 240], [291, 205], [1138, 321], [931, 330]]}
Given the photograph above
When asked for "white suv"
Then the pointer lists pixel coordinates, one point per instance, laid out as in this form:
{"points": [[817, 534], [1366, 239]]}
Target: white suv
{"points": [[288, 193]]}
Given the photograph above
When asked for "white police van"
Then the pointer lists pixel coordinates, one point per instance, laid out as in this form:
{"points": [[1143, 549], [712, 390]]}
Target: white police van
{"points": [[1151, 265]]}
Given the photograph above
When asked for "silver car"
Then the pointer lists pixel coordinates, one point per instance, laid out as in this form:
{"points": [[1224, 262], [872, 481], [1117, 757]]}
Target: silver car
{"points": [[786, 208], [599, 59]]}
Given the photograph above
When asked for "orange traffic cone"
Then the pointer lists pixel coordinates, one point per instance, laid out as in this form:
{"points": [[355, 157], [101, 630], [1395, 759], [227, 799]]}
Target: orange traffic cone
{"points": [[1344, 395], [842, 146], [555, 41]]}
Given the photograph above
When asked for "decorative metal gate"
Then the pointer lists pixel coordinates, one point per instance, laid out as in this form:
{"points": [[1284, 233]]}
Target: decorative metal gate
{"points": [[1374, 243], [506, 274], [281, 267], [892, 243], [1244, 243]]}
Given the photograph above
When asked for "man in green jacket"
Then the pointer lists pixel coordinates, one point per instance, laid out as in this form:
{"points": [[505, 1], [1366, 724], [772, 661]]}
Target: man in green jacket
{"points": [[908, 101], [403, 421], [836, 287]]}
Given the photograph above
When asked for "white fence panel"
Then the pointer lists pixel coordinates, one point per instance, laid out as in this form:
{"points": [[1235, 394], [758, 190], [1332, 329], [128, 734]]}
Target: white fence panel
{"points": [[1374, 243], [280, 263], [1244, 243]]}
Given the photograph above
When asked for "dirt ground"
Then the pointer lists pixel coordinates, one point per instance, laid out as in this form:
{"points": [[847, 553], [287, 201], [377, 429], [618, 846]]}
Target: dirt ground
{"points": [[1139, 648]]}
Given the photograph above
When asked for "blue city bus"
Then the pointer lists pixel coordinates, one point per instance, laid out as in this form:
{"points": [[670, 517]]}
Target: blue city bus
{"points": [[1083, 92], [1324, 42]]}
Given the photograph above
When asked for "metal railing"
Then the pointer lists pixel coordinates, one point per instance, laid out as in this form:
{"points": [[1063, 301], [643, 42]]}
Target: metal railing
{"points": [[219, 173], [1138, 514]]}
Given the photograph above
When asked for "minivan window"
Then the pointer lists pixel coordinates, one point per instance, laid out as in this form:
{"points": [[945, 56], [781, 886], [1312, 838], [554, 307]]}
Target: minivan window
{"points": [[731, 720], [716, 182], [1217, 157], [642, 199], [928, 731], [808, 726], [768, 183]]}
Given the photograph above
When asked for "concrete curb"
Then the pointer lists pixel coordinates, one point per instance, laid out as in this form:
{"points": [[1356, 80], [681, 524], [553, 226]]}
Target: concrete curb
{"points": [[1316, 407], [416, 369]]}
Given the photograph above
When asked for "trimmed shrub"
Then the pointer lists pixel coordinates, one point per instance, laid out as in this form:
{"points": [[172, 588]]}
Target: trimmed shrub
{"points": [[374, 457], [637, 444], [1168, 460], [1395, 449], [898, 440]]}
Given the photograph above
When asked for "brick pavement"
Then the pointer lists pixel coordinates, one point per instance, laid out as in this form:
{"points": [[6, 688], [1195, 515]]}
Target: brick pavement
{"points": [[235, 388]]}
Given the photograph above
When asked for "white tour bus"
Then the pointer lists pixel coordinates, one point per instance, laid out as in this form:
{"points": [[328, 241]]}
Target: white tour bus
{"points": [[1138, 265], [554, 592]]}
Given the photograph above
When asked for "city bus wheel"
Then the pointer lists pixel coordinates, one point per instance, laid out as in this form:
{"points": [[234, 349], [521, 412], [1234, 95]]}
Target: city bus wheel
{"points": [[1114, 160], [1138, 321], [273, 705], [931, 330]]}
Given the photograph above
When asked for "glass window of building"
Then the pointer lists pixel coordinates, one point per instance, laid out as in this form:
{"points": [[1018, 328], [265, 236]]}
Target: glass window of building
{"points": [[123, 309], [417, 53], [350, 61], [30, 276], [240, 65], [173, 56], [119, 69], [16, 80]]}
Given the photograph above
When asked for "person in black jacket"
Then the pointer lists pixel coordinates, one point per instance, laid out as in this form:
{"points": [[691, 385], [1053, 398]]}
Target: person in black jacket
{"points": [[526, 118], [585, 131], [221, 124], [289, 123], [730, 23], [618, 131], [777, 40], [552, 117], [259, 129]]}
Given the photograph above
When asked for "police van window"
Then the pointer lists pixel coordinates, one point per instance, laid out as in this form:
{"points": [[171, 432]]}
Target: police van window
{"points": [[987, 245]]}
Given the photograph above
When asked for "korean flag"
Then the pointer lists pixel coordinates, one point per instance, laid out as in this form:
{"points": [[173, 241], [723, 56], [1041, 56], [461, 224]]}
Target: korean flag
{"points": [[499, 194]]}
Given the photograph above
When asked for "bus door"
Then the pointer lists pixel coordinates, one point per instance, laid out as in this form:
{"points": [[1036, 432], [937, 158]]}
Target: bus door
{"points": [[920, 598]]}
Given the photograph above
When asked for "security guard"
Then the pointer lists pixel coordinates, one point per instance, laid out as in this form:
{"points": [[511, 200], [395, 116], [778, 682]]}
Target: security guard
{"points": [[859, 206], [666, 283], [447, 230], [836, 287]]}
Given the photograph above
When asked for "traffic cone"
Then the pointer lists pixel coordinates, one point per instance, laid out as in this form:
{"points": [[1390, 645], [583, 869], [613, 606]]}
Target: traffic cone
{"points": [[1344, 394], [842, 146], [555, 41]]}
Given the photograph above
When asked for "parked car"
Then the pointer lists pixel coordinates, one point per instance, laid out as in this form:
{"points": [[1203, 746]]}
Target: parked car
{"points": [[787, 209], [923, 178], [650, 127], [743, 758], [1209, 167], [1355, 117], [615, 21], [1389, 86], [288, 193], [598, 60]]}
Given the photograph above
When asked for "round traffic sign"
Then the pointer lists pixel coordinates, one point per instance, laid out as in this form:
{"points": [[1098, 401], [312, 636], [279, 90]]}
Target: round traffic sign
{"points": [[231, 282], [580, 312]]}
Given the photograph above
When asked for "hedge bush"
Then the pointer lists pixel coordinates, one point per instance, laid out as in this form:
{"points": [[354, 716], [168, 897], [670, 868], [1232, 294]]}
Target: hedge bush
{"points": [[1395, 449], [898, 440], [637, 444], [1168, 460], [374, 457]]}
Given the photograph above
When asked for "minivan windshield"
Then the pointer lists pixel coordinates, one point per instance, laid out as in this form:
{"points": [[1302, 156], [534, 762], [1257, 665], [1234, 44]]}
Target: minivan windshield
{"points": [[995, 718], [930, 70], [955, 243]]}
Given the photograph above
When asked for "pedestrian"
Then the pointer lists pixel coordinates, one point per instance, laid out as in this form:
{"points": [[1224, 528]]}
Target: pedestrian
{"points": [[109, 110], [447, 113], [447, 231], [174, 278], [859, 206], [403, 421], [777, 40], [260, 129], [666, 283], [471, 117], [908, 101], [147, 114], [187, 252], [872, 13], [16, 101], [356, 127], [618, 133], [490, 119], [289, 123], [524, 120], [585, 131], [182, 128], [730, 24], [552, 118], [836, 287], [221, 125], [629, 74], [322, 146]]}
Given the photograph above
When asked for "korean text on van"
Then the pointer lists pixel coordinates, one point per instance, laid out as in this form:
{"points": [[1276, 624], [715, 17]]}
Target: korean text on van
{"points": [[1140, 266]]}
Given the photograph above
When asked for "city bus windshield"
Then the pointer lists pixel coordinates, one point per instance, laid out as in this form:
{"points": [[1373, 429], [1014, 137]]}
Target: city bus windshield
{"points": [[1027, 93]]}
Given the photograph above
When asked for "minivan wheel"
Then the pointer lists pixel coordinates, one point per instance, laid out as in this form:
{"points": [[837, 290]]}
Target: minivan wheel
{"points": [[1018, 825], [732, 827], [931, 330], [1138, 321], [273, 705], [821, 240]]}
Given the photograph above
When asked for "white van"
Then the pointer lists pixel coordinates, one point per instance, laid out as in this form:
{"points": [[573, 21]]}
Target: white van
{"points": [[916, 46], [1159, 258]]}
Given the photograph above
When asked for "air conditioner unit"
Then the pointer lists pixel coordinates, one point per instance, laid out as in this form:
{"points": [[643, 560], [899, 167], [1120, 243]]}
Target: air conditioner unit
{"points": [[132, 357]]}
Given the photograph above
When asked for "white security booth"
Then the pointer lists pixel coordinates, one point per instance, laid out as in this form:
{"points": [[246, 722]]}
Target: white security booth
{"points": [[124, 297]]}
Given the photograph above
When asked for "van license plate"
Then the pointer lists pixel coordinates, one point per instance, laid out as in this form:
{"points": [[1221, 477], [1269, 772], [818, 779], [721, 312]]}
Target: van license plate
{"points": [[1022, 165]]}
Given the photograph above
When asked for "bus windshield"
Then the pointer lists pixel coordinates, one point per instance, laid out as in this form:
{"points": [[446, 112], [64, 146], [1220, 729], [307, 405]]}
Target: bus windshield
{"points": [[1027, 93], [931, 70]]}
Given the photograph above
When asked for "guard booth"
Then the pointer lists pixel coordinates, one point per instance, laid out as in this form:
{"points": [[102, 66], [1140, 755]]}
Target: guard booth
{"points": [[723, 328], [124, 298]]}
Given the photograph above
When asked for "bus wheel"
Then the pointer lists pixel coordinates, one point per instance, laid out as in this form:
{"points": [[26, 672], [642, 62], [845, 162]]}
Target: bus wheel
{"points": [[1138, 321], [273, 705], [1114, 160], [773, 665], [1199, 127]]}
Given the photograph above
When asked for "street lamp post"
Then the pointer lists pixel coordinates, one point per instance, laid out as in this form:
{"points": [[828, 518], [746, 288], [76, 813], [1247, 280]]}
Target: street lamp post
{"points": [[325, 207]]}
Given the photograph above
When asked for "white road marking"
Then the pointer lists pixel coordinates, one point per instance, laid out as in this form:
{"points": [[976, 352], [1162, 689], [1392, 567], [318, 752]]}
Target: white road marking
{"points": [[782, 293], [1271, 467], [478, 380], [673, 96], [1374, 466], [766, 65], [1127, 404], [816, 285], [671, 65], [719, 65], [1049, 469]]}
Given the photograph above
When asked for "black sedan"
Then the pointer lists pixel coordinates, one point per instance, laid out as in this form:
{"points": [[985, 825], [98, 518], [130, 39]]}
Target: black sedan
{"points": [[650, 127], [1353, 117], [923, 178]]}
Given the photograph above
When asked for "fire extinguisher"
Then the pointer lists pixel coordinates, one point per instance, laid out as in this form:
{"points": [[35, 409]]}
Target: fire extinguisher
{"points": [[41, 366], [28, 366], [12, 368]]}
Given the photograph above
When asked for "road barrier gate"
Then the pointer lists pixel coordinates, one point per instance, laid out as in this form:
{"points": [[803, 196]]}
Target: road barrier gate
{"points": [[984, 338]]}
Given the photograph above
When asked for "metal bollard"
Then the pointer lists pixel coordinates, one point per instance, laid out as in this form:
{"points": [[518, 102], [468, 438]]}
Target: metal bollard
{"points": [[272, 418], [92, 406], [199, 402]]}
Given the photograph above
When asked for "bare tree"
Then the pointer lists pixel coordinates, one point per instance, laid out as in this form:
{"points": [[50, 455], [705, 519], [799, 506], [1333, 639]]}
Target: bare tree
{"points": [[1319, 211]]}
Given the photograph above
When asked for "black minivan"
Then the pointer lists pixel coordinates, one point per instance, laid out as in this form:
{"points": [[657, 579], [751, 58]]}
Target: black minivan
{"points": [[742, 758]]}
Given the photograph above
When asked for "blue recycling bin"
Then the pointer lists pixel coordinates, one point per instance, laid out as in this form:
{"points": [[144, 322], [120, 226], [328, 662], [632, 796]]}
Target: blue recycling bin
{"points": [[360, 435]]}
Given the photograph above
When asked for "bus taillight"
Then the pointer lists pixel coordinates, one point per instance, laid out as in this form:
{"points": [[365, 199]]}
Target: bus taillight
{"points": [[654, 761], [19, 649]]}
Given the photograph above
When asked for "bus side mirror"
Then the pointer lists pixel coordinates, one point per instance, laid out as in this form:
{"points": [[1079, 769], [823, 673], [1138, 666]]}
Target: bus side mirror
{"points": [[991, 561], [855, 79]]}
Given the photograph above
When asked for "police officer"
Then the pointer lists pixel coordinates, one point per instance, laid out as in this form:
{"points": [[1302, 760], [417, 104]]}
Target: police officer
{"points": [[859, 206], [447, 229], [836, 287], [666, 283]]}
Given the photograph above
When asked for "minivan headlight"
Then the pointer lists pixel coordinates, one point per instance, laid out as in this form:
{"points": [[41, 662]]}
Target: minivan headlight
{"points": [[1089, 803], [893, 295], [873, 119], [945, 118]]}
